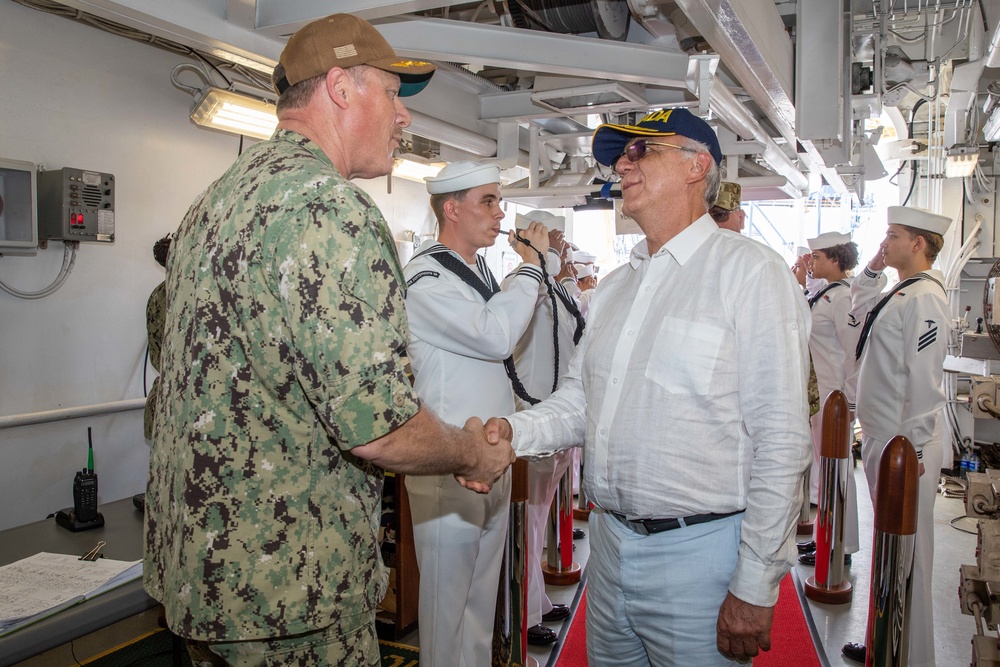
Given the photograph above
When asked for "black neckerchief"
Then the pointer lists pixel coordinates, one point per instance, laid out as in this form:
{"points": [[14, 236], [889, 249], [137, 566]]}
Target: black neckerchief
{"points": [[873, 313], [486, 290], [813, 300]]}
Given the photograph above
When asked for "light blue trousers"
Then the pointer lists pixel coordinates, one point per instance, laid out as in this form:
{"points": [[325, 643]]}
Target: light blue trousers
{"points": [[654, 600]]}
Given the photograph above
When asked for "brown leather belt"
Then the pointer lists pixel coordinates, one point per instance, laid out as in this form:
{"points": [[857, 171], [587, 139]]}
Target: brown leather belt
{"points": [[653, 526]]}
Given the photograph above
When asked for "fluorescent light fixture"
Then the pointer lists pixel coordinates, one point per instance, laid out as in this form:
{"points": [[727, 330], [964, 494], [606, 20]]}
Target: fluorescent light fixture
{"points": [[233, 112], [415, 171], [961, 161], [590, 99]]}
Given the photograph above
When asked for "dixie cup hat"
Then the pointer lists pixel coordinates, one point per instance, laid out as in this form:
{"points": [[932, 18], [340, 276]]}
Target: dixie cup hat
{"points": [[828, 240], [550, 220], [922, 219], [462, 175], [609, 140], [344, 40]]}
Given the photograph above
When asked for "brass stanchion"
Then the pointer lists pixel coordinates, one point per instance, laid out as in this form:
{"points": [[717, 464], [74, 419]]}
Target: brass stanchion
{"points": [[510, 629], [805, 525], [896, 499], [828, 585], [559, 569], [583, 506]]}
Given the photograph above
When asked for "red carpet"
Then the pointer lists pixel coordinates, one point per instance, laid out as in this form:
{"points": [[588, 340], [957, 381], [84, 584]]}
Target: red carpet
{"points": [[791, 643]]}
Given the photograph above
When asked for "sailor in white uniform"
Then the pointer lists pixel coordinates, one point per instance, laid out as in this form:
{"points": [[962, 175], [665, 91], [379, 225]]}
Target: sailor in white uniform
{"points": [[462, 329], [901, 348], [832, 346], [541, 357]]}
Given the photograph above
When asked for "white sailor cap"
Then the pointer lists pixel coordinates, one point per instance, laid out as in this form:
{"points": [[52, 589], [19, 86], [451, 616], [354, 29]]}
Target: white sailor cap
{"points": [[583, 257], [462, 175], [550, 220], [585, 271], [802, 250], [828, 240], [919, 218]]}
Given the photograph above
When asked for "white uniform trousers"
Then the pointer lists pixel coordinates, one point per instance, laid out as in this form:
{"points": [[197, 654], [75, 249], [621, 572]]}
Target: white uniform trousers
{"points": [[921, 653], [852, 541], [543, 481], [459, 538]]}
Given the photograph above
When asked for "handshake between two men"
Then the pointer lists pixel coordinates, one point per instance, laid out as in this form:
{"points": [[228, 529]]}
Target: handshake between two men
{"points": [[494, 452]]}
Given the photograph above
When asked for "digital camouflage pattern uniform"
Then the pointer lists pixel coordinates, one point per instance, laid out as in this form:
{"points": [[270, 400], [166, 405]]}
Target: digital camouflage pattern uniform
{"points": [[156, 315], [282, 351]]}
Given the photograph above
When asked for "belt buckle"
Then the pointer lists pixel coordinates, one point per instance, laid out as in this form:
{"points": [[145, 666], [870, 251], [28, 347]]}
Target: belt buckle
{"points": [[639, 527]]}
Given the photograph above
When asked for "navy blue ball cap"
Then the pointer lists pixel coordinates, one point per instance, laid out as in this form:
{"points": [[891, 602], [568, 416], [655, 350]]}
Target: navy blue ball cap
{"points": [[609, 140]]}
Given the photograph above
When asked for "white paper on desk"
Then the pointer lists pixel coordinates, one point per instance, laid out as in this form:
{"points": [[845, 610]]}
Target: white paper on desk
{"points": [[39, 585]]}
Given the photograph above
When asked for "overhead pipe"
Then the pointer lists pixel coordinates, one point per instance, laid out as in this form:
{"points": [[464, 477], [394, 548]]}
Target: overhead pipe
{"points": [[13, 421], [740, 121]]}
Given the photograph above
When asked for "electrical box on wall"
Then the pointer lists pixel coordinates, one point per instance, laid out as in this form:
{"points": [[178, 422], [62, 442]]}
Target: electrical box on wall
{"points": [[76, 205], [18, 231]]}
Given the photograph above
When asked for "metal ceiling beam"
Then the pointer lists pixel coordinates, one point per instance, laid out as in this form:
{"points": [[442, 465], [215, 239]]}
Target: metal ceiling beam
{"points": [[279, 18], [194, 23], [473, 43], [750, 38]]}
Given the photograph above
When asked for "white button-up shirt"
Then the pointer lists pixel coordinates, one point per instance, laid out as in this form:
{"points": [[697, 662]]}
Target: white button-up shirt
{"points": [[689, 392]]}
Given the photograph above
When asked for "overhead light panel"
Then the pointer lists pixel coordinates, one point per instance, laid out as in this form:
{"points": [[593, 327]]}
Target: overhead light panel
{"points": [[415, 171], [961, 162], [234, 112], [591, 99]]}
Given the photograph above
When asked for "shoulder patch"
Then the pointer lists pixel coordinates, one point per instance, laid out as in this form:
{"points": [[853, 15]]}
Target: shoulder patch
{"points": [[422, 274]]}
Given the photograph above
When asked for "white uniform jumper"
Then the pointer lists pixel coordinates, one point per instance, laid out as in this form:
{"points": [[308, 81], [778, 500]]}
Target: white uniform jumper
{"points": [[458, 342], [535, 362], [832, 344], [899, 393]]}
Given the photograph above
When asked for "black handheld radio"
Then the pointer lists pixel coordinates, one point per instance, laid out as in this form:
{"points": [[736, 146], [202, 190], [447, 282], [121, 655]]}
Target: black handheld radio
{"points": [[84, 514]]}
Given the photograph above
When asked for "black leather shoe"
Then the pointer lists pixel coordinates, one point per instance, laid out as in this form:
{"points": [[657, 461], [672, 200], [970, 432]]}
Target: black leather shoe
{"points": [[578, 534], [810, 558], [557, 613], [806, 547], [854, 651], [539, 635]]}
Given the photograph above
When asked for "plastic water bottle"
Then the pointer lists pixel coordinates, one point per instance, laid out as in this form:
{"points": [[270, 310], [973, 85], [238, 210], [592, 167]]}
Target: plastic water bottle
{"points": [[964, 466], [974, 462]]}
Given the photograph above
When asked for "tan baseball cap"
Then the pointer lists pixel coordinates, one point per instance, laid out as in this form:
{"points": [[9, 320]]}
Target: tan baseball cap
{"points": [[344, 40], [729, 196]]}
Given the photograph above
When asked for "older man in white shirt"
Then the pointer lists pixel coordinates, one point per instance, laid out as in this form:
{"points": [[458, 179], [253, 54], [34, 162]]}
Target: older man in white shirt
{"points": [[689, 392]]}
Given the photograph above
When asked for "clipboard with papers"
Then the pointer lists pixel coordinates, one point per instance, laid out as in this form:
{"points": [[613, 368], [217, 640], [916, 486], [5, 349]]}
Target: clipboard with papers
{"points": [[38, 586]]}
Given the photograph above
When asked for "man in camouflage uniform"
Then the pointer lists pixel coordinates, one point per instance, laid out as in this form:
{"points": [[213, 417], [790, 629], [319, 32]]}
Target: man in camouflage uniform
{"points": [[156, 317], [283, 394]]}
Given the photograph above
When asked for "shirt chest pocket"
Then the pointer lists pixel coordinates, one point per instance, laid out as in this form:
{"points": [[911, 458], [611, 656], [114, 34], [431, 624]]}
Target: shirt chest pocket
{"points": [[683, 357]]}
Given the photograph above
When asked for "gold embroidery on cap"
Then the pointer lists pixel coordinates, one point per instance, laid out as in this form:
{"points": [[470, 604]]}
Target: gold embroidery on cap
{"points": [[409, 63], [662, 115], [348, 51]]}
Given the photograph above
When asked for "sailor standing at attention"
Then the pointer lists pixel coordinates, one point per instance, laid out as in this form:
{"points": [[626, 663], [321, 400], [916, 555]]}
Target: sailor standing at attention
{"points": [[901, 351], [463, 329]]}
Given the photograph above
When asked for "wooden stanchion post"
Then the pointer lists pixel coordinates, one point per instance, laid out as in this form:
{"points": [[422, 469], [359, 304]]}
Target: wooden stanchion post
{"points": [[828, 585], [510, 627], [888, 635], [559, 569]]}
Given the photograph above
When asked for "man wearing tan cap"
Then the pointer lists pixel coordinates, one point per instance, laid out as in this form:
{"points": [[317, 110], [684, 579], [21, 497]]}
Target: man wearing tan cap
{"points": [[726, 211], [463, 330], [901, 351], [283, 395]]}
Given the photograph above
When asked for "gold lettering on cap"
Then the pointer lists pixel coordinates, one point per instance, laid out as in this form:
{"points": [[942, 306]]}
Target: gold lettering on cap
{"points": [[661, 115], [410, 63], [341, 52]]}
